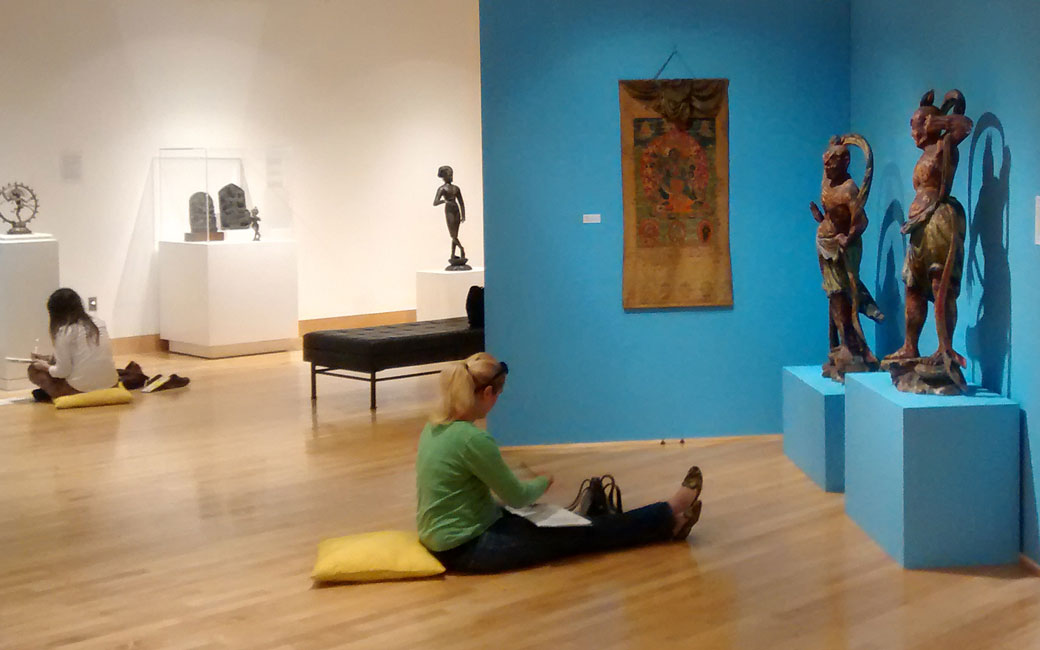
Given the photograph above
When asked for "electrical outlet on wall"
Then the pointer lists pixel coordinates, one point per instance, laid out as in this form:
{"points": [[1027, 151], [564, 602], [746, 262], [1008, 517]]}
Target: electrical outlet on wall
{"points": [[591, 218], [92, 303]]}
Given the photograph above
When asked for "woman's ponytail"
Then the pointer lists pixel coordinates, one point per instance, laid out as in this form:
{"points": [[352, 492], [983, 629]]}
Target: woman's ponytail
{"points": [[459, 386]]}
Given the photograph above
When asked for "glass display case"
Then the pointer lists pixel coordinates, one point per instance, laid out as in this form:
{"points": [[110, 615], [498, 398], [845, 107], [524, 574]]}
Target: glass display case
{"points": [[217, 241], [203, 195]]}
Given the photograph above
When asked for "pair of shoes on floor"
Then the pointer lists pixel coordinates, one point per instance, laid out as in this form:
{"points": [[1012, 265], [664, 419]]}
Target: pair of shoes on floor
{"points": [[165, 382], [695, 481]]}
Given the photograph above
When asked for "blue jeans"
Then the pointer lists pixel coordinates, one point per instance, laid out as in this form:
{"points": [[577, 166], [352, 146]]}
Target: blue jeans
{"points": [[513, 542]]}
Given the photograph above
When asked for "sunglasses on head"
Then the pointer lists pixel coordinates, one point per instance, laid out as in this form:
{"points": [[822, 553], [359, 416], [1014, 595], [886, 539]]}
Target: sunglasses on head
{"points": [[503, 369]]}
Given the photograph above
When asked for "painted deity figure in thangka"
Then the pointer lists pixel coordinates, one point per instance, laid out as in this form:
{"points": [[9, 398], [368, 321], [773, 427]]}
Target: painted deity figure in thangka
{"points": [[934, 260], [839, 249]]}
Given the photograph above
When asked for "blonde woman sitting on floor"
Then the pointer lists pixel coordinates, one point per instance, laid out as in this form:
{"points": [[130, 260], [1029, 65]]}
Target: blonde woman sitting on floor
{"points": [[459, 465]]}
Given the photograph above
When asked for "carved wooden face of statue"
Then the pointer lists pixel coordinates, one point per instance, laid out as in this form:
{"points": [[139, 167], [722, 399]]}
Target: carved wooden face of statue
{"points": [[921, 127], [446, 173], [836, 161]]}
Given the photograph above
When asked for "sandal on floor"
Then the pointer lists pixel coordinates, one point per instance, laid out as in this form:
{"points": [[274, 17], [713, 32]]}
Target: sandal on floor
{"points": [[165, 383], [692, 515], [152, 383]]}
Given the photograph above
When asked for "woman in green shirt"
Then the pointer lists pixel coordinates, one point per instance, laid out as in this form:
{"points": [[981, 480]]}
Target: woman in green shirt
{"points": [[459, 465]]}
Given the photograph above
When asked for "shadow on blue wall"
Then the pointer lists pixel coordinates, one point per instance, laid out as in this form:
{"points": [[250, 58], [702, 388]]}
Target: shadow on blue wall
{"points": [[888, 334], [1030, 531], [989, 338]]}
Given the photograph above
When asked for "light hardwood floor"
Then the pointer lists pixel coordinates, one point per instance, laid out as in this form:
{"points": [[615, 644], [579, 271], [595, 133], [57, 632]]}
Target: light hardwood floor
{"points": [[190, 520]]}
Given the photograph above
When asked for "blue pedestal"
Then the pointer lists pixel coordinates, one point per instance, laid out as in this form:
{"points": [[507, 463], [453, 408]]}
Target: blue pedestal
{"points": [[934, 480], [814, 425]]}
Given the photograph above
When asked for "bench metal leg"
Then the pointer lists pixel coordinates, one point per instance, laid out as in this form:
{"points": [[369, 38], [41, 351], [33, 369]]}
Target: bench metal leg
{"points": [[314, 383], [372, 385]]}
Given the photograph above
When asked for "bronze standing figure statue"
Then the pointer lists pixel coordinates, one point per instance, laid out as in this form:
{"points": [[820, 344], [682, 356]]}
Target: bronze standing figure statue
{"points": [[935, 254], [839, 249], [454, 213], [254, 221]]}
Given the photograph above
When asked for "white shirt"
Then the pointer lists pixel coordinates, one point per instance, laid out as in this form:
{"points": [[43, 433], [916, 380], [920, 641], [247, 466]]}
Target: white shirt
{"points": [[78, 360]]}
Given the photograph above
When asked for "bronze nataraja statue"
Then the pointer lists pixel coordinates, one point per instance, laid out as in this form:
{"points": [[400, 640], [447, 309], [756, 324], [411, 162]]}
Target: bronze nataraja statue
{"points": [[454, 213], [22, 205], [935, 254], [839, 249]]}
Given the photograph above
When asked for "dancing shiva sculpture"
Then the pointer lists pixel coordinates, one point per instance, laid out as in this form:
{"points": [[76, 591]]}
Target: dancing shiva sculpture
{"points": [[839, 248], [935, 254]]}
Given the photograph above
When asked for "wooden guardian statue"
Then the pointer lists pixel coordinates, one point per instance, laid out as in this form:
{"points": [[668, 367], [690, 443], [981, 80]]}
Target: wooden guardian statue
{"points": [[839, 249], [934, 260]]}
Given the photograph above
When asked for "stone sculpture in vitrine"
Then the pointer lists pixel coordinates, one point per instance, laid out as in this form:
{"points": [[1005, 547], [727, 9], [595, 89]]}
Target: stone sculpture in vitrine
{"points": [[202, 218], [20, 207], [454, 213], [934, 260], [839, 249], [234, 215]]}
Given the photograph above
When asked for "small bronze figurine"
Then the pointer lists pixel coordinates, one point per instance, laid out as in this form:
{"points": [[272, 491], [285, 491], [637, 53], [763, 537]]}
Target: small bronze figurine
{"points": [[935, 254], [254, 221], [454, 213], [839, 249]]}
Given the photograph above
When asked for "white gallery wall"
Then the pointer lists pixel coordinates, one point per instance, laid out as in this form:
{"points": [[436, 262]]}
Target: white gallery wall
{"points": [[342, 111]]}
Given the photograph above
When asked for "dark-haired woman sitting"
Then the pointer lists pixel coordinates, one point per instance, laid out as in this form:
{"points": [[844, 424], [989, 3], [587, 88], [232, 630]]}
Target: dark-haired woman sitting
{"points": [[82, 359]]}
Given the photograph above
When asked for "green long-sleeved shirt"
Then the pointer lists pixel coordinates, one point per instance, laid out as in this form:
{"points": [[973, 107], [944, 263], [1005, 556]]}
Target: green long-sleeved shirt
{"points": [[456, 469]]}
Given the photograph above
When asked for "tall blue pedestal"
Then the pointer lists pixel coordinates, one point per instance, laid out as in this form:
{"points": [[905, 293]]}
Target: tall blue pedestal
{"points": [[934, 480], [814, 425]]}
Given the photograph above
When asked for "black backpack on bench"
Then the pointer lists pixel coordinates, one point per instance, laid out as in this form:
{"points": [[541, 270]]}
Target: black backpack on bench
{"points": [[475, 306]]}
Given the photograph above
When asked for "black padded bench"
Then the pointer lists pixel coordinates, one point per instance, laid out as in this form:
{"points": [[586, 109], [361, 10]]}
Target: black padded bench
{"points": [[374, 349]]}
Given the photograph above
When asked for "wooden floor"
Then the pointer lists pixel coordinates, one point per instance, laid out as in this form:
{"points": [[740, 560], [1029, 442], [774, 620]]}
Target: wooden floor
{"points": [[190, 520]]}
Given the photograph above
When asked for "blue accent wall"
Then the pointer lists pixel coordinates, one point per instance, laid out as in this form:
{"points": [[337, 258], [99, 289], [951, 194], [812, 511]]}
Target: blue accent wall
{"points": [[581, 368], [991, 52]]}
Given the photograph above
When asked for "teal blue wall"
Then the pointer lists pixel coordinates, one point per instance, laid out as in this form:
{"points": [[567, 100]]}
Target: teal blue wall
{"points": [[991, 51], [581, 368]]}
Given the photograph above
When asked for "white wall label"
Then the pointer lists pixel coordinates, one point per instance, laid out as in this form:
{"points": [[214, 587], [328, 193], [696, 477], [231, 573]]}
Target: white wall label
{"points": [[71, 167], [1036, 233], [595, 218]]}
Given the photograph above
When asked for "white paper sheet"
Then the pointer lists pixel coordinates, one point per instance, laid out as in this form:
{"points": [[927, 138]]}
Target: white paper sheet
{"points": [[17, 400], [546, 515]]}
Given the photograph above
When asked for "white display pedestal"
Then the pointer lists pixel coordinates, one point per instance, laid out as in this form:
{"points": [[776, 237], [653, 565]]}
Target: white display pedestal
{"points": [[28, 275], [442, 294], [223, 299]]}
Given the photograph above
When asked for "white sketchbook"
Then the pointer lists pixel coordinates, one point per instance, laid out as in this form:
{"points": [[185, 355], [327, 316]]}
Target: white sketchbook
{"points": [[546, 515]]}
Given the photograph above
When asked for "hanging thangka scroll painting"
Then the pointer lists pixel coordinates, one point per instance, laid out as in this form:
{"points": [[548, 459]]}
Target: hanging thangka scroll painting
{"points": [[675, 176]]}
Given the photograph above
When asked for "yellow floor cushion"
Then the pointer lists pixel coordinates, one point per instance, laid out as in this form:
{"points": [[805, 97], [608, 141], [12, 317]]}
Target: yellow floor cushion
{"points": [[385, 555], [103, 397]]}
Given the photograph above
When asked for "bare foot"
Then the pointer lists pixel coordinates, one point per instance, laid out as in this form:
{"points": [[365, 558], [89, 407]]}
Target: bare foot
{"points": [[682, 500], [906, 352], [940, 356], [682, 505]]}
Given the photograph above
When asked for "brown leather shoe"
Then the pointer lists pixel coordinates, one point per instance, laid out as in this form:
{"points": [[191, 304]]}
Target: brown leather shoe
{"points": [[691, 516], [694, 480]]}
